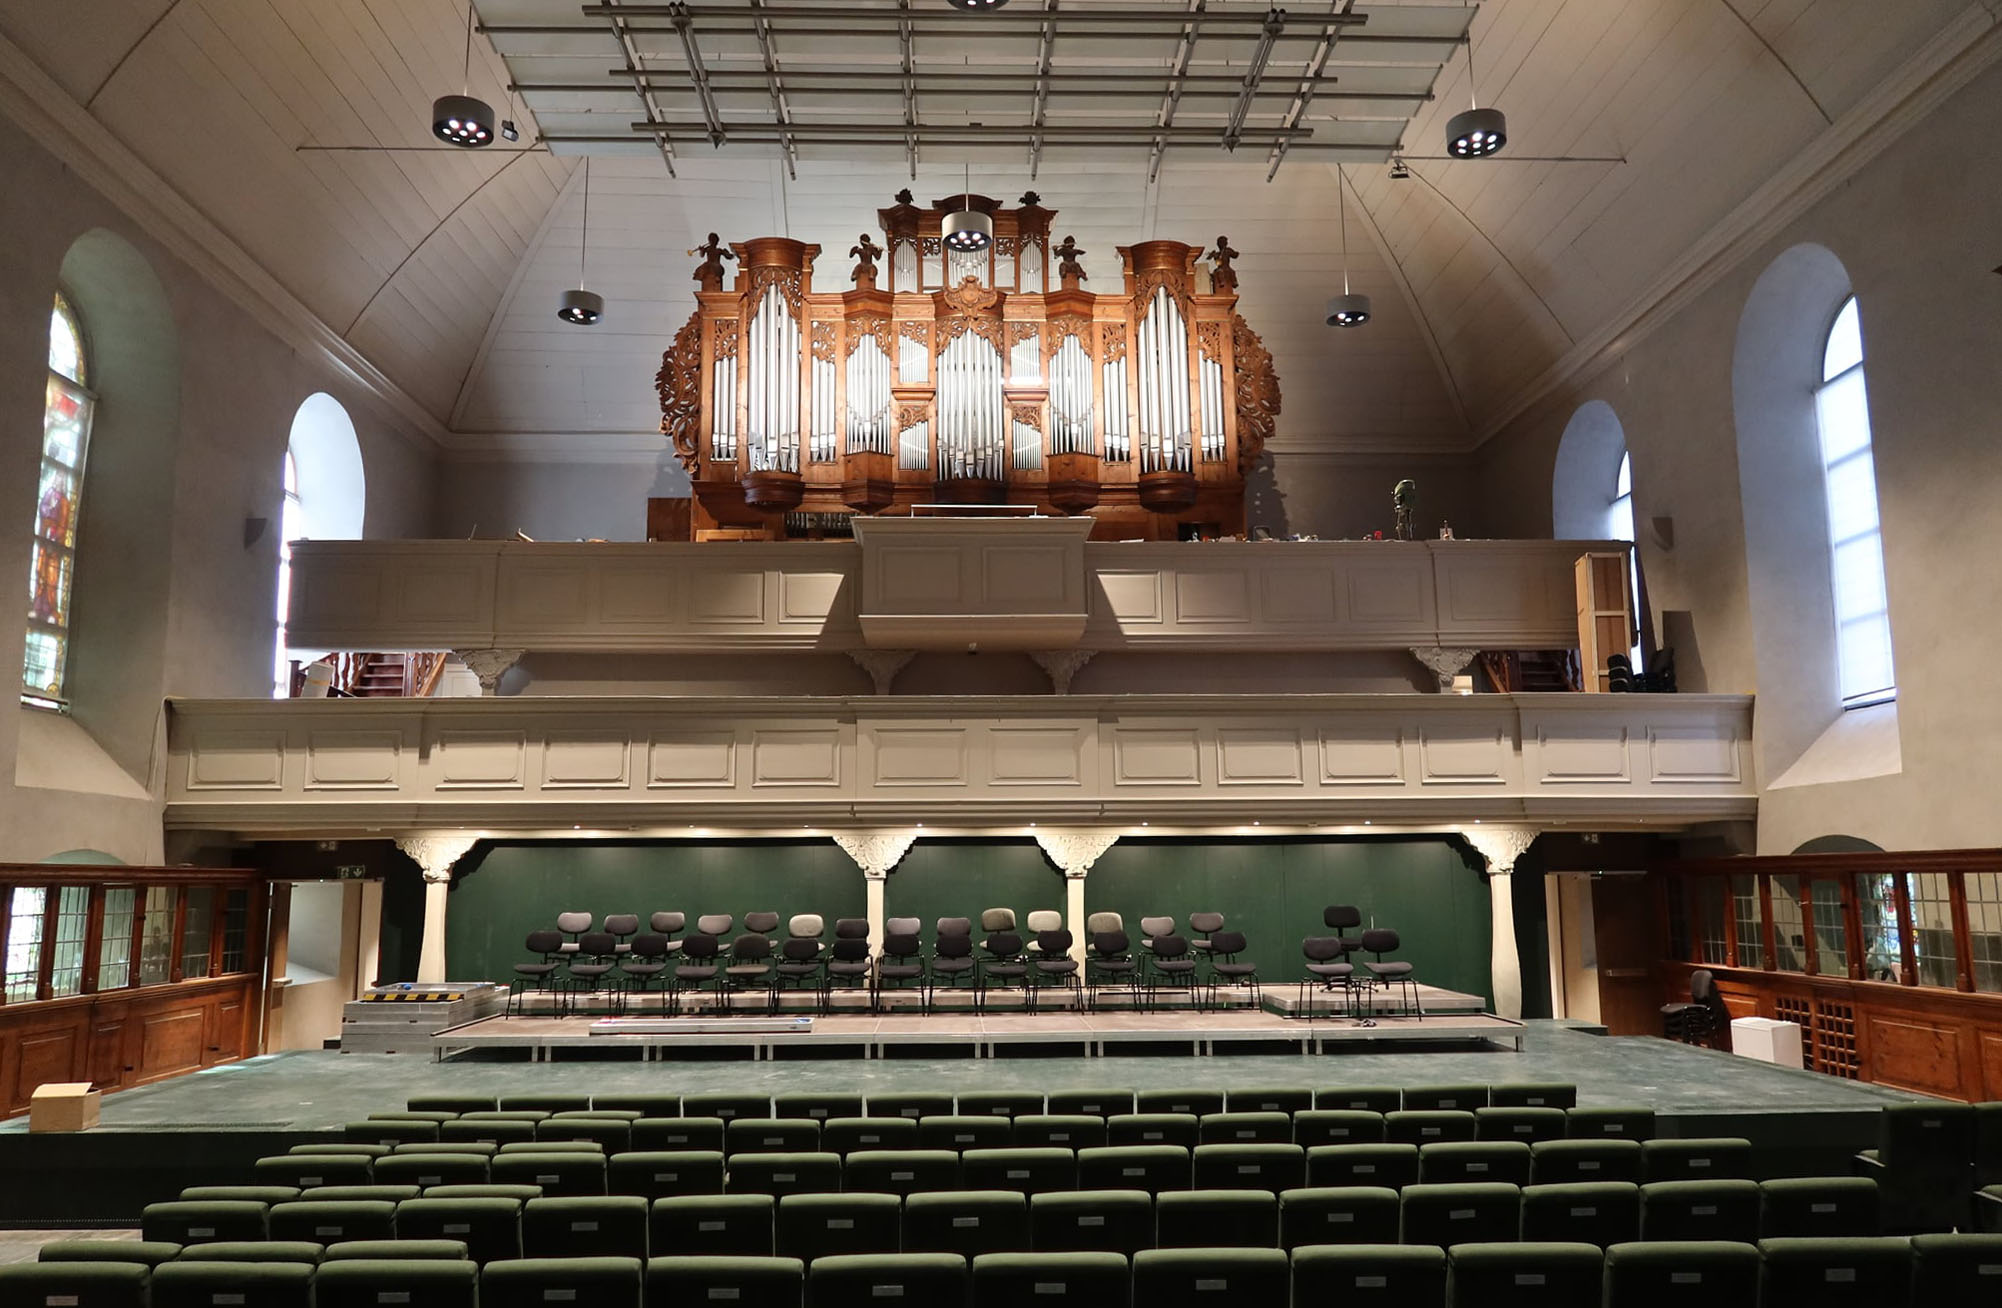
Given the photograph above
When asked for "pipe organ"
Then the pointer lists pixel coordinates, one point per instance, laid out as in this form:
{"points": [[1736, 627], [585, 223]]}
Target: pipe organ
{"points": [[968, 379]]}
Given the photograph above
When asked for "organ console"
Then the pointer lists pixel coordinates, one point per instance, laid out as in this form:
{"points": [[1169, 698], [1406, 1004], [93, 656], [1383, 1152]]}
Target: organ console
{"points": [[967, 380]]}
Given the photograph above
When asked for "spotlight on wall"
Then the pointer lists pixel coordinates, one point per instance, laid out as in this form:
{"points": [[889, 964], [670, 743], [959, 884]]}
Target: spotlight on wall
{"points": [[1400, 171], [509, 132]]}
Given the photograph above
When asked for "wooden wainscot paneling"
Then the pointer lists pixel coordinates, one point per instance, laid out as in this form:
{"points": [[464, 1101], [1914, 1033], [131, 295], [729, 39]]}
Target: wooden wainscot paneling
{"points": [[1914, 1052]]}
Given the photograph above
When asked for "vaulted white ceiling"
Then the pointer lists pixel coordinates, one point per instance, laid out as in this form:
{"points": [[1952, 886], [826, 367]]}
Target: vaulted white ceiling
{"points": [[442, 266]]}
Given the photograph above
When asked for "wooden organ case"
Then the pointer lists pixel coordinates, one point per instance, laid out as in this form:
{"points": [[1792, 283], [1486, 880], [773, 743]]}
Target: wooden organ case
{"points": [[967, 380]]}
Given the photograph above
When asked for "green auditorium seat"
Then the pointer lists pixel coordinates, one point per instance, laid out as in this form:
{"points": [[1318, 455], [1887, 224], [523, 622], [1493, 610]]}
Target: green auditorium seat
{"points": [[1988, 1143], [1428, 1126], [1089, 1103], [1152, 1168], [1474, 1160], [741, 1282], [1337, 1214], [454, 1104], [1520, 1274], [847, 1135], [1437, 1098], [1244, 1128], [645, 1103], [481, 1148], [911, 1103], [530, 1115], [489, 1228], [1525, 1124], [1222, 1278], [813, 1226], [1107, 1221], [1834, 1272], [771, 1135], [372, 1282], [739, 1225], [1923, 1164], [1956, 1269], [1534, 1094], [1052, 1280], [1392, 1165], [413, 1115], [962, 1132], [1700, 1210], [1682, 1274], [1588, 1212], [521, 1194], [388, 1134], [1057, 1131], [781, 1174], [309, 1252], [1223, 1219], [559, 1175], [1696, 1159], [431, 1169], [1479, 1212], [542, 1102], [1818, 1206], [605, 1114], [678, 1133], [341, 1194], [490, 1131], [612, 1134], [1370, 1275], [727, 1105], [817, 1106], [256, 1194], [147, 1253], [540, 1282], [1273, 1167], [202, 1221], [597, 1226], [194, 1284], [1560, 1162], [1268, 1099], [551, 1147], [345, 1149], [1336, 1126], [938, 1280], [1195, 1103], [398, 1250], [1622, 1123], [308, 1170], [900, 1171], [1153, 1129], [966, 1222], [1031, 1171], [999, 1103], [75, 1285], [1362, 1099], [326, 1221]]}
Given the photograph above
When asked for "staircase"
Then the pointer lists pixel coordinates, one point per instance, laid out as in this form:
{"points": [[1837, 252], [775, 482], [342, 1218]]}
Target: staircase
{"points": [[1531, 671], [387, 676]]}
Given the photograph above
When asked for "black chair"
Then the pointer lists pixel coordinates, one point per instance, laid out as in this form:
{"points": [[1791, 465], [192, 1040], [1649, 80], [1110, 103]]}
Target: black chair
{"points": [[1053, 966], [1226, 969], [761, 923], [849, 961], [697, 969], [1345, 920], [901, 962], [622, 927], [750, 966], [539, 975], [573, 925], [1004, 966], [802, 963], [715, 924], [1201, 927], [1169, 966], [952, 958], [1110, 963], [1702, 1017], [668, 926], [591, 965], [1396, 974], [1328, 968], [646, 963]]}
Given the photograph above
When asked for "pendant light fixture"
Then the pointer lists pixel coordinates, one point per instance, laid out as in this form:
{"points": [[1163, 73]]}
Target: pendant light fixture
{"points": [[1475, 133], [967, 230], [581, 308], [1347, 309], [464, 119], [976, 6]]}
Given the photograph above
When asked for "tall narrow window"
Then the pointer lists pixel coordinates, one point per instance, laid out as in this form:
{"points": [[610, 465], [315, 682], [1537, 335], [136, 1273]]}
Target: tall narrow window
{"points": [[292, 526], [65, 434], [1620, 526], [1855, 538], [24, 942]]}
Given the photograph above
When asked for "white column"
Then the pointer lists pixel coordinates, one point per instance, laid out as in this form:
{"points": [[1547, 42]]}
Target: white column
{"points": [[875, 852], [872, 884], [1074, 850], [436, 855], [1501, 846]]}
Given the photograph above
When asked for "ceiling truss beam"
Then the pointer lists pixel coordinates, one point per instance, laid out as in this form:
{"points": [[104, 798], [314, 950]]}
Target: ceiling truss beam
{"points": [[1310, 80]]}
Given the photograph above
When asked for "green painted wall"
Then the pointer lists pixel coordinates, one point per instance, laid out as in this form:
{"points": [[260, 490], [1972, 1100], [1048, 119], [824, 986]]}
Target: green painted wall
{"points": [[959, 878]]}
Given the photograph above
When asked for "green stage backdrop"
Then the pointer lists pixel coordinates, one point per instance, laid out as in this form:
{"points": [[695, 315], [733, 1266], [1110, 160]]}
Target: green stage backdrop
{"points": [[1272, 890]]}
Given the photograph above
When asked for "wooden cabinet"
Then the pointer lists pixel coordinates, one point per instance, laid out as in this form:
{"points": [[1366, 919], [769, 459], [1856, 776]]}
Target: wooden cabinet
{"points": [[1605, 614], [123, 1039]]}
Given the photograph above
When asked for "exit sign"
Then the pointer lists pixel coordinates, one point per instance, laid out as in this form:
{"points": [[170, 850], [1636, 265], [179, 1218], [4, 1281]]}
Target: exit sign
{"points": [[352, 872]]}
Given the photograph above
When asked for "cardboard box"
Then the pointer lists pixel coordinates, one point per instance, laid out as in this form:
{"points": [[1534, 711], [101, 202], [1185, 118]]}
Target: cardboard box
{"points": [[64, 1106]]}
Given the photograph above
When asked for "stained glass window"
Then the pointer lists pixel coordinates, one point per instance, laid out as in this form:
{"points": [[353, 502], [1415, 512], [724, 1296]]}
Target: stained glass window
{"points": [[66, 417]]}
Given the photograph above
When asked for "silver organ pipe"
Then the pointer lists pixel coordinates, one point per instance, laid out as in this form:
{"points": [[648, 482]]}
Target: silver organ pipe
{"points": [[723, 410], [970, 409], [869, 399], [1211, 386], [913, 367], [1150, 422], [1181, 400], [1070, 400], [773, 428], [1164, 386], [1029, 272], [1118, 434], [824, 433], [904, 267]]}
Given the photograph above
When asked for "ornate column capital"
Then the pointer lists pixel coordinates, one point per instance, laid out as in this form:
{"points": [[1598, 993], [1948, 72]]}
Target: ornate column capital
{"points": [[489, 665], [436, 854], [1445, 663], [1075, 849], [875, 852], [882, 665], [1501, 846], [1062, 665]]}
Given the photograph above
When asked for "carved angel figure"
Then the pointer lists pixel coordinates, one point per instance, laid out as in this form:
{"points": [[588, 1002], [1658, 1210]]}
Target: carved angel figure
{"points": [[1222, 276], [1068, 255], [865, 255], [710, 272]]}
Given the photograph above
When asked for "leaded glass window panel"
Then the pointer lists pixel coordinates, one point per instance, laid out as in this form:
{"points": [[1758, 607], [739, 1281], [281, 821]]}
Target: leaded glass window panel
{"points": [[156, 940], [1831, 937], [1745, 909], [114, 948], [72, 921], [66, 415], [24, 941], [1932, 928], [1883, 942], [1789, 929]]}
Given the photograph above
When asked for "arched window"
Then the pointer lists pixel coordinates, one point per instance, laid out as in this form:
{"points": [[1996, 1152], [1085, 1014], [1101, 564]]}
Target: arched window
{"points": [[1855, 538], [325, 499], [66, 418], [1592, 489], [291, 526]]}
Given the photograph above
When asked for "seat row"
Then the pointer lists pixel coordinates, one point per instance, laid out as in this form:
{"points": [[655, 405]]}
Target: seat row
{"points": [[1879, 1273], [818, 1225]]}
